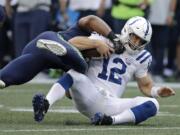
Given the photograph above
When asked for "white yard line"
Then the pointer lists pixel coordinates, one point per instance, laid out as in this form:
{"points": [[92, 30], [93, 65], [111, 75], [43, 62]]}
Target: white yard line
{"points": [[168, 115], [65, 109], [170, 106], [130, 84], [51, 110], [90, 129], [172, 85]]}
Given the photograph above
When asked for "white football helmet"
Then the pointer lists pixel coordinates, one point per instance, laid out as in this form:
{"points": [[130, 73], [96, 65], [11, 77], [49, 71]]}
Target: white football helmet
{"points": [[136, 28]]}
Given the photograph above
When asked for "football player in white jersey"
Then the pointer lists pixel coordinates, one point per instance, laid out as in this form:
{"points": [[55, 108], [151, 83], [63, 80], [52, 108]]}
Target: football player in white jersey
{"points": [[98, 94]]}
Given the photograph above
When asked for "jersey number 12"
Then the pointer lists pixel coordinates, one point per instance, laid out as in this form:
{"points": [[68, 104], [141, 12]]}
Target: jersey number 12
{"points": [[115, 72]]}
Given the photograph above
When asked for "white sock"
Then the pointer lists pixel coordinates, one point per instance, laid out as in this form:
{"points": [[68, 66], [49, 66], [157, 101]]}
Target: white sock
{"points": [[56, 92], [125, 117]]}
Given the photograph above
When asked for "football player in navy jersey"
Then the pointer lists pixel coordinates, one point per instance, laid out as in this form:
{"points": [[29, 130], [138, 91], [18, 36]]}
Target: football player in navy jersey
{"points": [[56, 50]]}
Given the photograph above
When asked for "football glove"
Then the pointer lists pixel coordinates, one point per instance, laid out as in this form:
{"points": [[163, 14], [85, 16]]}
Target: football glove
{"points": [[118, 46]]}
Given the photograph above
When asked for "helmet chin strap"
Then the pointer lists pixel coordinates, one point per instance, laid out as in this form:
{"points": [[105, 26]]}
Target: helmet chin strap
{"points": [[130, 51]]}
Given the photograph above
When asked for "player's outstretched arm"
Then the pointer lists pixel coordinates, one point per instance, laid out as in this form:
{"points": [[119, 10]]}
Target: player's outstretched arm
{"points": [[94, 23], [146, 86], [85, 43]]}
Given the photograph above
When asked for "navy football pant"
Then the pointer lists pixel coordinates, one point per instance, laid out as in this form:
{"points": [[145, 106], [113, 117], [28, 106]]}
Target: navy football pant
{"points": [[33, 60]]}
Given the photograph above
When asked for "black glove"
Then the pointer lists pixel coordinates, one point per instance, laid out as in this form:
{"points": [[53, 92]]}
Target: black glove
{"points": [[118, 46]]}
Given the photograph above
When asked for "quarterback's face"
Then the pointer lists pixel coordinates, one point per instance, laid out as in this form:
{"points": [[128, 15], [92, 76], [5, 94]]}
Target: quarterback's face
{"points": [[136, 42]]}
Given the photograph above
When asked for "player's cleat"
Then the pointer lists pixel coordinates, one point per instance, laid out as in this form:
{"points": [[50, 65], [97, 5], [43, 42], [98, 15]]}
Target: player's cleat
{"points": [[40, 107], [52, 46], [2, 84], [101, 119]]}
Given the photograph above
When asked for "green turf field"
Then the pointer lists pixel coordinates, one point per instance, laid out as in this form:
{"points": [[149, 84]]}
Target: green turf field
{"points": [[16, 116]]}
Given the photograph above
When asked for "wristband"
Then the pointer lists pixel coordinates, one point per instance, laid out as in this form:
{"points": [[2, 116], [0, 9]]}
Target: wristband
{"points": [[111, 36], [154, 91]]}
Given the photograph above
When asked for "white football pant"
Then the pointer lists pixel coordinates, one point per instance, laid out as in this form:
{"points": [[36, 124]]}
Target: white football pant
{"points": [[89, 99]]}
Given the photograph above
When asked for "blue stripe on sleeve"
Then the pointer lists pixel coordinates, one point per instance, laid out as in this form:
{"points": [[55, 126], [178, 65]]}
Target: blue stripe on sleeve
{"points": [[143, 60], [140, 56]]}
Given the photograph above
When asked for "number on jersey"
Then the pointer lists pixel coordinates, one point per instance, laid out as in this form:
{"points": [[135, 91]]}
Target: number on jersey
{"points": [[113, 71]]}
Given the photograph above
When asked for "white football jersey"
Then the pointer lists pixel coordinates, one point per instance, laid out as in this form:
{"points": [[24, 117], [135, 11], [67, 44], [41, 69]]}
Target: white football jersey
{"points": [[113, 74]]}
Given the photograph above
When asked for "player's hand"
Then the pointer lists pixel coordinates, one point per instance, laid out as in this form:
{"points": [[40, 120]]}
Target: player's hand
{"points": [[166, 92], [118, 46], [104, 50]]}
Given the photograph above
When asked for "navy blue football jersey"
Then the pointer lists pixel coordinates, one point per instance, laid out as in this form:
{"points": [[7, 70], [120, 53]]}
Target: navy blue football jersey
{"points": [[73, 31]]}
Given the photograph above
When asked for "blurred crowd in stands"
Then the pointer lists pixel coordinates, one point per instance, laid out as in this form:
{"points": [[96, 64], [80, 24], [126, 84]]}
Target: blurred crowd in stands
{"points": [[25, 19]]}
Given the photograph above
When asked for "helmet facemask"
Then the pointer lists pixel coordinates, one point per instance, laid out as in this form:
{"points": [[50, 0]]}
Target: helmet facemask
{"points": [[135, 42], [136, 34]]}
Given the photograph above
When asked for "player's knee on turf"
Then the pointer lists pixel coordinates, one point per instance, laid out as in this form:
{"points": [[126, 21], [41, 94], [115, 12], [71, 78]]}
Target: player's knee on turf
{"points": [[145, 110]]}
